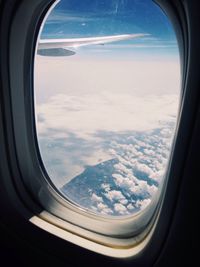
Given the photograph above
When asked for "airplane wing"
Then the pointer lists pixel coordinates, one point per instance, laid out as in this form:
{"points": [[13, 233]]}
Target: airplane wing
{"points": [[52, 47]]}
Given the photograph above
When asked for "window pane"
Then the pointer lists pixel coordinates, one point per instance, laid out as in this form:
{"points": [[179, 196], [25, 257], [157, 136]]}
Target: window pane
{"points": [[106, 111]]}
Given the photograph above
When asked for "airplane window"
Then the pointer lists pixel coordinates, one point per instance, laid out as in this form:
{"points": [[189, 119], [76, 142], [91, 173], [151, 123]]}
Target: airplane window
{"points": [[107, 88]]}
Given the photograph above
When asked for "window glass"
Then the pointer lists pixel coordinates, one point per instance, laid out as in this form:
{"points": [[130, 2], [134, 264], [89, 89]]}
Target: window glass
{"points": [[106, 110]]}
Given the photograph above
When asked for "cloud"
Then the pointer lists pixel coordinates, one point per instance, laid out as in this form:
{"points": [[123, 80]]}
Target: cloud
{"points": [[103, 209], [91, 112], [105, 112], [105, 187], [114, 195], [121, 209], [136, 173], [96, 198]]}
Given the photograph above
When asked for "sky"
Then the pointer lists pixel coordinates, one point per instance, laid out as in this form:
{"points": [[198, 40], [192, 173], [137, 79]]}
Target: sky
{"points": [[70, 19], [108, 94], [94, 17]]}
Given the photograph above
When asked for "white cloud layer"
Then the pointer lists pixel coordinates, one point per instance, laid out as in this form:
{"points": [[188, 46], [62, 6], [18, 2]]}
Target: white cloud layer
{"points": [[91, 112], [85, 115]]}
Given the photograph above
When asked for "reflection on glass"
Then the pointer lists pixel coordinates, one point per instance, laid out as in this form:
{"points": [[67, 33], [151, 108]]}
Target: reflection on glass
{"points": [[106, 113]]}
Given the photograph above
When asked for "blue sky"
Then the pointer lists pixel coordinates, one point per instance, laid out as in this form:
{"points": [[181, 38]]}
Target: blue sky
{"points": [[75, 18]]}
